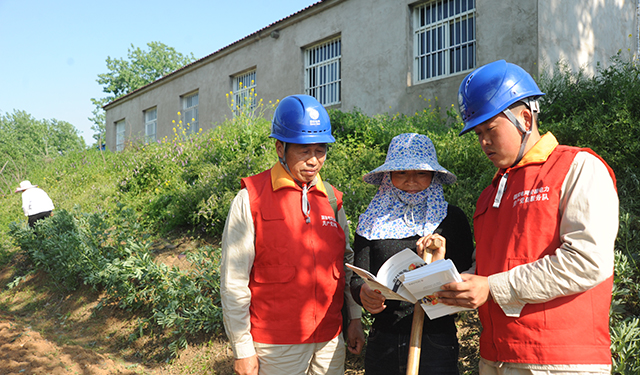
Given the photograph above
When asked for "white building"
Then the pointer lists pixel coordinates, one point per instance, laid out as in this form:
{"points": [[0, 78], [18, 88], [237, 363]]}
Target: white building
{"points": [[378, 56]]}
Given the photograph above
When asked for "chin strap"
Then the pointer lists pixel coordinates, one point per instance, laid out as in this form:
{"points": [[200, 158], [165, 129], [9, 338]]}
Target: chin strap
{"points": [[306, 208], [410, 222], [534, 107], [283, 159]]}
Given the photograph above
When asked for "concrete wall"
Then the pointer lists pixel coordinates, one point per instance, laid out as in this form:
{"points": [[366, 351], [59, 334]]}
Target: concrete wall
{"points": [[583, 33], [508, 30], [377, 56]]}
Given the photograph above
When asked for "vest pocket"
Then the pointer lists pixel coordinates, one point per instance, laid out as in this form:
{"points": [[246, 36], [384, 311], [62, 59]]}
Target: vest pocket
{"points": [[274, 274], [272, 214]]}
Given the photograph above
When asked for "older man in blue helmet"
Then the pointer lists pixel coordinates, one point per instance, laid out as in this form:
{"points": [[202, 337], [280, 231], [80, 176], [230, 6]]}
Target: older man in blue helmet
{"points": [[283, 280], [545, 230]]}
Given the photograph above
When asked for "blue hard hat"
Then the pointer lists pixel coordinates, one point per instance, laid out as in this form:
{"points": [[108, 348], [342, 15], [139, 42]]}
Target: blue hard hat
{"points": [[492, 88], [301, 119]]}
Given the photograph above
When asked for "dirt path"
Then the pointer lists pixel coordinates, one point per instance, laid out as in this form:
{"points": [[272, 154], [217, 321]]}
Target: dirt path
{"points": [[25, 351]]}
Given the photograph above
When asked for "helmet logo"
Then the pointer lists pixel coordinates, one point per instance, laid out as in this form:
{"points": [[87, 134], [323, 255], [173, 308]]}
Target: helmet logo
{"points": [[314, 115], [462, 106]]}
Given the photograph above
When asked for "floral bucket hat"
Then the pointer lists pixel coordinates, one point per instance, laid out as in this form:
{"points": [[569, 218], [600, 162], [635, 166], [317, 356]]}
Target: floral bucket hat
{"points": [[411, 152]]}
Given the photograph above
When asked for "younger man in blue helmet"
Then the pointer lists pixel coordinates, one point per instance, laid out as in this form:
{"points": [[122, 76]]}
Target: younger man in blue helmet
{"points": [[545, 231], [283, 252]]}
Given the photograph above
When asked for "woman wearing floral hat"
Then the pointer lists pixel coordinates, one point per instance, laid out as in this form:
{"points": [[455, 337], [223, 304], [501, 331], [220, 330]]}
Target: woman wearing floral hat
{"points": [[409, 211], [36, 204]]}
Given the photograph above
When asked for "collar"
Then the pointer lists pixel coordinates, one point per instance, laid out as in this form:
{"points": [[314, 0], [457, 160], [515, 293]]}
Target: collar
{"points": [[540, 152], [280, 178]]}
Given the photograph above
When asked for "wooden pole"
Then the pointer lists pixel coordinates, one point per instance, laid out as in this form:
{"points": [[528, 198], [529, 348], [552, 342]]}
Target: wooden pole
{"points": [[415, 342]]}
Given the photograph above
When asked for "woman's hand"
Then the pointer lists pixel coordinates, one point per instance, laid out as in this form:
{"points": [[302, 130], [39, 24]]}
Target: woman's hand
{"points": [[372, 300], [434, 244]]}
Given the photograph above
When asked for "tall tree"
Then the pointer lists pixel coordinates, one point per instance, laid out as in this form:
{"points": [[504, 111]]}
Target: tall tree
{"points": [[140, 68], [25, 140], [24, 137]]}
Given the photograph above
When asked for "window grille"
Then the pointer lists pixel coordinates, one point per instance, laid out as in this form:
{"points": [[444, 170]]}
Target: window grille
{"points": [[322, 72], [444, 38], [244, 92], [190, 113], [150, 124]]}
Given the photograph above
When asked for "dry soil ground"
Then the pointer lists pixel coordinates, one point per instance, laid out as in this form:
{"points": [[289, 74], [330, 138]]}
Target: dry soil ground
{"points": [[46, 331]]}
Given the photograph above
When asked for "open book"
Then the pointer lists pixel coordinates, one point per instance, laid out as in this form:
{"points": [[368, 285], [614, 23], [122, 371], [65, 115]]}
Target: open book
{"points": [[406, 277]]}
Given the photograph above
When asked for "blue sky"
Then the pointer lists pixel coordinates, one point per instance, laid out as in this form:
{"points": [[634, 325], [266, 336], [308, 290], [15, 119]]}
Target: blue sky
{"points": [[51, 52]]}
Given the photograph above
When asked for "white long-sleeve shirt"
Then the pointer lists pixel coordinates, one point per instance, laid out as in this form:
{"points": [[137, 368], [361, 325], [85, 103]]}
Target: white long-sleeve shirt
{"points": [[35, 201]]}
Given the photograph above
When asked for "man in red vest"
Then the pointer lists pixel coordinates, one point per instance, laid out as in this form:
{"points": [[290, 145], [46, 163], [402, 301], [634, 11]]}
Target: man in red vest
{"points": [[283, 280], [545, 230]]}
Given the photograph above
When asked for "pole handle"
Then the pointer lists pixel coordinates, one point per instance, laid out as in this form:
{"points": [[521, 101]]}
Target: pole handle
{"points": [[415, 342]]}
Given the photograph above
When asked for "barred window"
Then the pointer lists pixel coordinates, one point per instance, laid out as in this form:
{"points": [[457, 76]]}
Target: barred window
{"points": [[150, 124], [244, 92], [190, 113], [444, 38], [322, 71]]}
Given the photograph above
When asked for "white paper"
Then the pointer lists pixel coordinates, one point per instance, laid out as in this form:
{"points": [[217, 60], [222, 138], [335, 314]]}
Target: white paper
{"points": [[387, 280], [406, 277], [423, 282]]}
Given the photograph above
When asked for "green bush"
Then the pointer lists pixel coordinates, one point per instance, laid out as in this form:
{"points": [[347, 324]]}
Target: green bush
{"points": [[81, 178], [105, 252], [600, 112]]}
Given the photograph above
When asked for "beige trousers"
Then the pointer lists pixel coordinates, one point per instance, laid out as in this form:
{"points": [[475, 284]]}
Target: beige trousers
{"points": [[506, 368], [325, 358]]}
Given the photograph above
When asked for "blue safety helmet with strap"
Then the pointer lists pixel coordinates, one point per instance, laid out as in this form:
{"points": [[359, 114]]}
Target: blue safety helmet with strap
{"points": [[301, 119], [492, 89]]}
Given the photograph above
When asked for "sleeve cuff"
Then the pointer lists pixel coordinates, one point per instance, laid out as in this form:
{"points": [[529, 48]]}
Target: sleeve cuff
{"points": [[503, 294], [244, 350], [355, 311]]}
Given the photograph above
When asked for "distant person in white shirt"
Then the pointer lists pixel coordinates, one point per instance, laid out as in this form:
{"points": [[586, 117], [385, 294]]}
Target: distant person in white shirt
{"points": [[36, 204]]}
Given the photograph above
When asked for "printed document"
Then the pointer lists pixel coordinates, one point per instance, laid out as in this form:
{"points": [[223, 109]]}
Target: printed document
{"points": [[406, 277]]}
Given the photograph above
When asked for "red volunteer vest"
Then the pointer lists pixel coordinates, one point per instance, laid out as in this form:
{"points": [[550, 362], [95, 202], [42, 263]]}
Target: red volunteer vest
{"points": [[567, 330], [297, 280]]}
